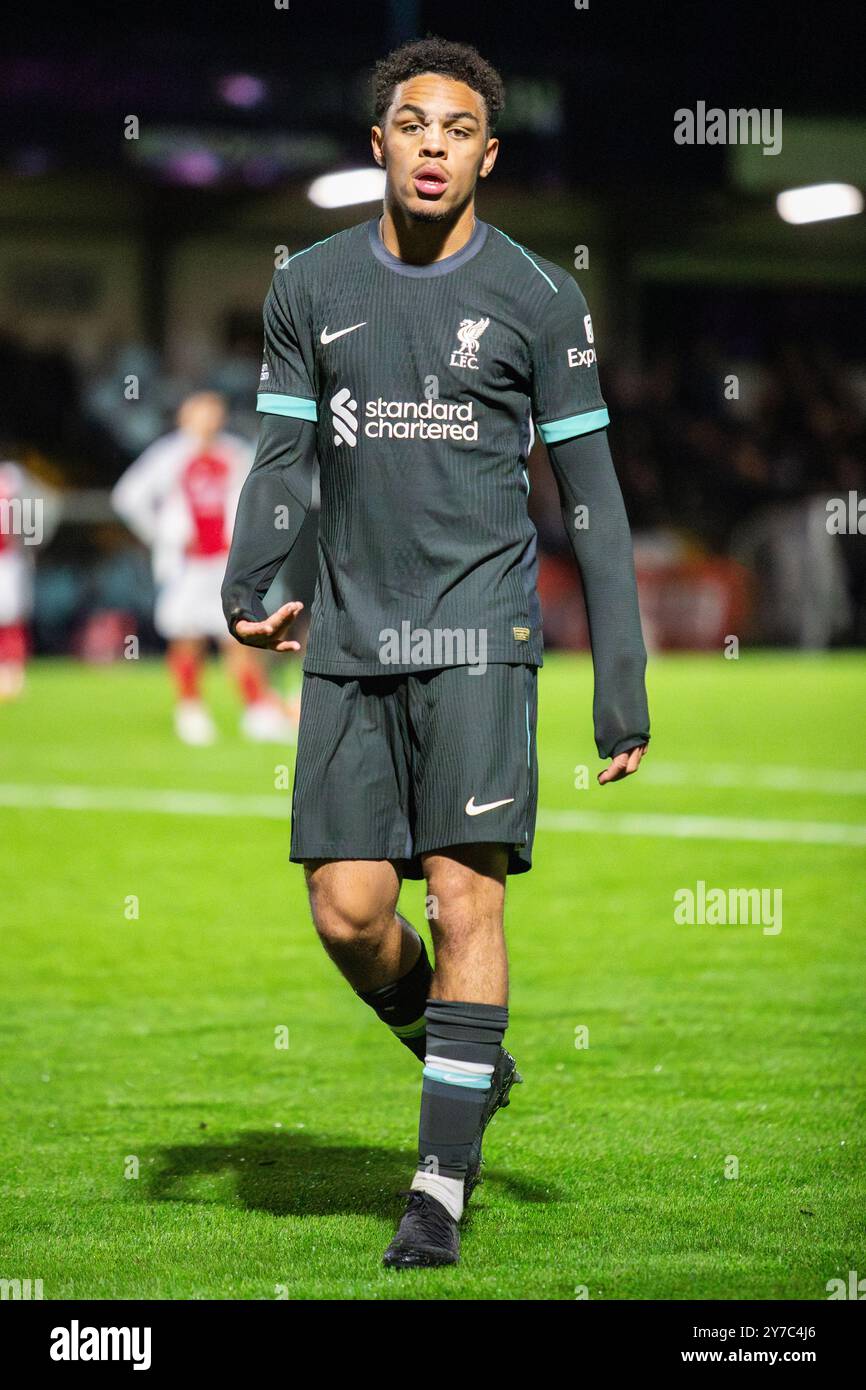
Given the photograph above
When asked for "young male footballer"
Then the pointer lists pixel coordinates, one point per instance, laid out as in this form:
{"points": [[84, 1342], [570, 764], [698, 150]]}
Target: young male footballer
{"points": [[412, 353]]}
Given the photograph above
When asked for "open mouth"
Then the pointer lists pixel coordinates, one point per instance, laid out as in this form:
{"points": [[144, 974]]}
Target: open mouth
{"points": [[429, 183]]}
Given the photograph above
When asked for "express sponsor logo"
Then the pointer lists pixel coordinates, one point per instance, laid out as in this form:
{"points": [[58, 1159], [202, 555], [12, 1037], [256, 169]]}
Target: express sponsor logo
{"points": [[583, 357]]}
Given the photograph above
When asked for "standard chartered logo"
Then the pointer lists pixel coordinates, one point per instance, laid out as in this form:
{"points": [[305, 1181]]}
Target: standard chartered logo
{"points": [[427, 419], [343, 418]]}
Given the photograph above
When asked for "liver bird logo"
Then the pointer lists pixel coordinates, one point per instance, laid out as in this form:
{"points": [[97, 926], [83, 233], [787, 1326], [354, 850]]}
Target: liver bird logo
{"points": [[469, 332]]}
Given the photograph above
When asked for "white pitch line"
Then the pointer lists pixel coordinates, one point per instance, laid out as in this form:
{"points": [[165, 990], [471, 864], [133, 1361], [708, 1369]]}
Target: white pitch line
{"points": [[167, 802], [802, 832], [777, 778], [276, 807]]}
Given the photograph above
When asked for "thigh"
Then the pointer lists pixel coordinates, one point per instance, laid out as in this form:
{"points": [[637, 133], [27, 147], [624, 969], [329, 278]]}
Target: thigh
{"points": [[474, 771], [469, 873], [351, 789]]}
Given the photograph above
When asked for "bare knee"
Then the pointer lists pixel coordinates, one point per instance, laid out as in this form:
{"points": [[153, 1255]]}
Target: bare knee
{"points": [[351, 903]]}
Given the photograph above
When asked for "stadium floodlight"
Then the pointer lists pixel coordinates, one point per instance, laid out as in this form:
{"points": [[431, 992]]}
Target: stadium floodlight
{"points": [[242, 89], [819, 202], [350, 186]]}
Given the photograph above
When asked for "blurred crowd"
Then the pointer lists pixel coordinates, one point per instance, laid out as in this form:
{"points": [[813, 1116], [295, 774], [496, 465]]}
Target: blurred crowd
{"points": [[91, 420], [738, 459], [691, 457]]}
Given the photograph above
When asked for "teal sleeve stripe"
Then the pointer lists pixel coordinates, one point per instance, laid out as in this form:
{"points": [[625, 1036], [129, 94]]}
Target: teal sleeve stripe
{"points": [[523, 251], [269, 403], [574, 425], [309, 248]]}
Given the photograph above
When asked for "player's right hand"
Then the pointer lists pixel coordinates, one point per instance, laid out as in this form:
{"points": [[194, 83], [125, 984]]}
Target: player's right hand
{"points": [[272, 632]]}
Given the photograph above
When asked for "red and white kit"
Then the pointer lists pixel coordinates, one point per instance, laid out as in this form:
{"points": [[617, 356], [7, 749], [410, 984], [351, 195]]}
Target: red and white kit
{"points": [[16, 561], [180, 498]]}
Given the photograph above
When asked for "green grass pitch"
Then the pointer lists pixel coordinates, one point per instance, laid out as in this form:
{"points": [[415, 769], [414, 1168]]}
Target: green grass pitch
{"points": [[147, 1043]]}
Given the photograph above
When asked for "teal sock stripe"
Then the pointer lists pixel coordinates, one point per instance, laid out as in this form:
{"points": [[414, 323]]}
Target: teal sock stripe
{"points": [[458, 1078]]}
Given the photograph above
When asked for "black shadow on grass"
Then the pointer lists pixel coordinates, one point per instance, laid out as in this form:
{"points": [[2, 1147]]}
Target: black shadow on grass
{"points": [[301, 1175]]}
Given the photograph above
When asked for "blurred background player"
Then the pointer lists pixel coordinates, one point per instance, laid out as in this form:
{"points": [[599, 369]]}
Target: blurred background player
{"points": [[180, 499], [29, 513]]}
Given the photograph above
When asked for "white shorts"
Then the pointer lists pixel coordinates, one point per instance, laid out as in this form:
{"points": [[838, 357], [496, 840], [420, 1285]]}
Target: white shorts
{"points": [[189, 604], [16, 588]]}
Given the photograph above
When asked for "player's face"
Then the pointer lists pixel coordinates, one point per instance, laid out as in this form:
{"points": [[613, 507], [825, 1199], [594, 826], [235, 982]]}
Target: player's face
{"points": [[434, 146], [202, 415]]}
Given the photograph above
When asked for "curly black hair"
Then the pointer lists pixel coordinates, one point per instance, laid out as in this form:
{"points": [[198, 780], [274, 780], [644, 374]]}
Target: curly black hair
{"points": [[433, 54]]}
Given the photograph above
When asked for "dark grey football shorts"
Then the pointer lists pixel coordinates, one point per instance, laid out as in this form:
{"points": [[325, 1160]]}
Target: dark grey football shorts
{"points": [[390, 767]]}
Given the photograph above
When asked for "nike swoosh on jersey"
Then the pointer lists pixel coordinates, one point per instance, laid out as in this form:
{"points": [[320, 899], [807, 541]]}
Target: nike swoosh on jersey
{"points": [[473, 810], [327, 337]]}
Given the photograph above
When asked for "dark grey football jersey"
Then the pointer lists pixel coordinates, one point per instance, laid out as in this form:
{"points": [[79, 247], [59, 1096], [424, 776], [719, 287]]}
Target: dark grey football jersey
{"points": [[425, 383]]}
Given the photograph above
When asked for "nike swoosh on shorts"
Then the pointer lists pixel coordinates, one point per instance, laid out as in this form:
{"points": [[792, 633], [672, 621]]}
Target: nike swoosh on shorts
{"points": [[473, 810]]}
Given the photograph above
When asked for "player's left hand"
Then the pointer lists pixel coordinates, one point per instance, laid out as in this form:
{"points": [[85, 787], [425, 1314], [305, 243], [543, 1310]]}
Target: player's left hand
{"points": [[623, 765]]}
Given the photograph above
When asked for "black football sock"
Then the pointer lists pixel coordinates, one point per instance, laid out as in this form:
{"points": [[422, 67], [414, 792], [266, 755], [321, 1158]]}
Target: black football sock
{"points": [[401, 1005], [463, 1047]]}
